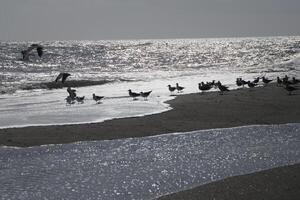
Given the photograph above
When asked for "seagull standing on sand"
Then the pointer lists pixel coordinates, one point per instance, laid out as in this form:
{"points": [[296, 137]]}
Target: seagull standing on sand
{"points": [[179, 88], [145, 94], [251, 84], [133, 94], [221, 87], [63, 76], [265, 80], [279, 81], [97, 98], [26, 53], [256, 80], [204, 87], [239, 82]]}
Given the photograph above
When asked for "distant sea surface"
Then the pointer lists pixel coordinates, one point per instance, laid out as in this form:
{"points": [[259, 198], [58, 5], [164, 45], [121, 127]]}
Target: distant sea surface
{"points": [[101, 62]]}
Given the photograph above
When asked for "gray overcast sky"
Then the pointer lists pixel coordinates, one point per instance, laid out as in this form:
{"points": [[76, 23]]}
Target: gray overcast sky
{"points": [[145, 19]]}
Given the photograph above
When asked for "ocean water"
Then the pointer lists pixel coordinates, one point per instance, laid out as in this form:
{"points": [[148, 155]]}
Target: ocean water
{"points": [[144, 168], [110, 68]]}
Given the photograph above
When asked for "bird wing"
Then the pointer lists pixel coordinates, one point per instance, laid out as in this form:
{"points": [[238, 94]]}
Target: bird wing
{"points": [[40, 51], [26, 52], [59, 77], [64, 77]]}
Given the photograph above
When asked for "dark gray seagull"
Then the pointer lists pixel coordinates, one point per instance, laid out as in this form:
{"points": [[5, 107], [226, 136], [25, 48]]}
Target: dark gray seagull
{"points": [[221, 87], [72, 93], [204, 87], [26, 53], [251, 84], [171, 89], [97, 98], [145, 94], [265, 80], [80, 99], [133, 94], [179, 88], [63, 76]]}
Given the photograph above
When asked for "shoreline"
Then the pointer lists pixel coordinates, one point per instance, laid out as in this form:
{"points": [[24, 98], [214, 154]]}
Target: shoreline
{"points": [[277, 183], [255, 106]]}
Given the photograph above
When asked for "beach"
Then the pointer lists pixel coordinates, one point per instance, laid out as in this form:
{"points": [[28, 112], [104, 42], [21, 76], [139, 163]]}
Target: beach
{"points": [[255, 106]]}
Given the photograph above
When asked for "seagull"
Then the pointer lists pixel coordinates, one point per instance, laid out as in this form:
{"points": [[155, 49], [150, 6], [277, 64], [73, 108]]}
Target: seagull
{"points": [[239, 82], [26, 53], [221, 87], [145, 94], [69, 100], [97, 98], [80, 99], [290, 89], [133, 94], [285, 79], [256, 80], [72, 93], [179, 88], [171, 89], [295, 81], [63, 76], [279, 81], [251, 84], [265, 80], [204, 87]]}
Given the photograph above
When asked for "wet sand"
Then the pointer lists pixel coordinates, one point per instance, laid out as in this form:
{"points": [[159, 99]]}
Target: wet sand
{"points": [[275, 184]]}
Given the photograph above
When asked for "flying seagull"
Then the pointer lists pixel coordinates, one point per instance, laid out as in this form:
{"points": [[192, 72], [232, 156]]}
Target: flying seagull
{"points": [[63, 76], [26, 53]]}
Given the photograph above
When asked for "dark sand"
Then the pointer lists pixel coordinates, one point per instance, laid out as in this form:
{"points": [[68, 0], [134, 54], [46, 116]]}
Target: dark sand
{"points": [[281, 183], [264, 105]]}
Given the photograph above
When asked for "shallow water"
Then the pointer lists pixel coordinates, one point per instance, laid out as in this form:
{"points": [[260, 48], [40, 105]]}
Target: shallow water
{"points": [[144, 168]]}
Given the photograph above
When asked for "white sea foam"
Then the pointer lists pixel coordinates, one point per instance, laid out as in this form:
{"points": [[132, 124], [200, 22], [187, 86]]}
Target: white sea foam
{"points": [[144, 168]]}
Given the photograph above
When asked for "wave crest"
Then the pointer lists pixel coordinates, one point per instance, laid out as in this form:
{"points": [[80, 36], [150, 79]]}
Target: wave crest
{"points": [[57, 85]]}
